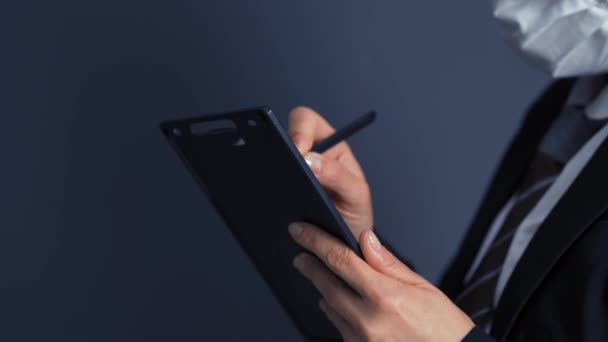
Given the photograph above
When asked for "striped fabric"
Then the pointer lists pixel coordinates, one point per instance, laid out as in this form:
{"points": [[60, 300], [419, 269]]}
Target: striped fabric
{"points": [[477, 297]]}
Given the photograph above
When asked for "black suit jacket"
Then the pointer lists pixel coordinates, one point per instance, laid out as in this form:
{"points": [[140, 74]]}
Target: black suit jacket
{"points": [[559, 289]]}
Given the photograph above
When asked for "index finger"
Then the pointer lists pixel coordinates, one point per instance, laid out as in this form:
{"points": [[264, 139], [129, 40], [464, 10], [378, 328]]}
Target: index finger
{"points": [[307, 127], [338, 257]]}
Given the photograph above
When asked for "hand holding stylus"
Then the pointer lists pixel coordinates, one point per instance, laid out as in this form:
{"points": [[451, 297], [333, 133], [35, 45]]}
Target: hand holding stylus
{"points": [[336, 169]]}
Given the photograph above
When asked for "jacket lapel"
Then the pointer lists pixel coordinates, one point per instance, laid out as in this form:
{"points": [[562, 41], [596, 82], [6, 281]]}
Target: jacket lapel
{"points": [[584, 202], [508, 175]]}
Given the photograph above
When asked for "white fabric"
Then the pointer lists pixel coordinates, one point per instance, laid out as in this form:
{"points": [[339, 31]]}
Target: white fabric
{"points": [[565, 37], [598, 108], [593, 93]]}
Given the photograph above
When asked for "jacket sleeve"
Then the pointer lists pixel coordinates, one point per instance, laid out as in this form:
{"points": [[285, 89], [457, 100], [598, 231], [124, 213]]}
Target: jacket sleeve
{"points": [[478, 335]]}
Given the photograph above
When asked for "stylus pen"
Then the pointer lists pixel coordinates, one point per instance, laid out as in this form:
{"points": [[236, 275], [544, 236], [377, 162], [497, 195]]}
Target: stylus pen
{"points": [[345, 132]]}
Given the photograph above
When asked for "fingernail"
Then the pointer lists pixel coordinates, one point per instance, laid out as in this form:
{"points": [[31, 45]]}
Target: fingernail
{"points": [[297, 262], [314, 160], [374, 242], [294, 229]]}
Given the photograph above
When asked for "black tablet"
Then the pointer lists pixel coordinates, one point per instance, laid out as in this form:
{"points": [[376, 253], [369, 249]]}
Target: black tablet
{"points": [[259, 183]]}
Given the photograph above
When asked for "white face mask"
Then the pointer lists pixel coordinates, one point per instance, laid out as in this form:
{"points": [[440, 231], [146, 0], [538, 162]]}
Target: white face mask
{"points": [[565, 37]]}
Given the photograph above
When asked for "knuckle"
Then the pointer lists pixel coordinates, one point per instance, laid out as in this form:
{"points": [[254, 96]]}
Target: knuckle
{"points": [[294, 133], [300, 108], [330, 294], [339, 257], [375, 295], [302, 111], [385, 303], [362, 190], [329, 169], [381, 295], [335, 171], [368, 332], [393, 264]]}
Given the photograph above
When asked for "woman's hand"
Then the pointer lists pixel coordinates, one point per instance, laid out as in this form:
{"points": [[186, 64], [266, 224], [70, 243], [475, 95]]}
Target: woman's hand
{"points": [[337, 169], [381, 300]]}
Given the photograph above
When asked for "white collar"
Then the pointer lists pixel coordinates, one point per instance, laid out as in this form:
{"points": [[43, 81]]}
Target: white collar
{"points": [[597, 109], [591, 92]]}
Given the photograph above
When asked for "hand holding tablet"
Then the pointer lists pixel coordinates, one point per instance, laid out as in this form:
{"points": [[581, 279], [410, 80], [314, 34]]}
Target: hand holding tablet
{"points": [[259, 183]]}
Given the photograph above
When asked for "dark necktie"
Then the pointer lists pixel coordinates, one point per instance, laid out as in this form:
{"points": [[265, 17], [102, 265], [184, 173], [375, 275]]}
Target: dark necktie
{"points": [[477, 298]]}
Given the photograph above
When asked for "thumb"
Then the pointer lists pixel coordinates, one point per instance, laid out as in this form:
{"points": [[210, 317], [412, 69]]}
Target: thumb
{"points": [[383, 261]]}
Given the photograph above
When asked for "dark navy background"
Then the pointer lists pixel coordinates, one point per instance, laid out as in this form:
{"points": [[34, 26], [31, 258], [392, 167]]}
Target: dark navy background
{"points": [[103, 234]]}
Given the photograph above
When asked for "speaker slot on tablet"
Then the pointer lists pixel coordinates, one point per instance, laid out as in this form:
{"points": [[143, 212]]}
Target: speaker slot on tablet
{"points": [[204, 128]]}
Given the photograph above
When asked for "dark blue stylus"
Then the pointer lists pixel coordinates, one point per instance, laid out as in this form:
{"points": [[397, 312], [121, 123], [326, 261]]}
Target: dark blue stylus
{"points": [[345, 132]]}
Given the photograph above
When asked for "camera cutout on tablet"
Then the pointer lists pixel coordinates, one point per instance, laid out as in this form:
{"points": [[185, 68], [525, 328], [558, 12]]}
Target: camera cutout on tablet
{"points": [[239, 142]]}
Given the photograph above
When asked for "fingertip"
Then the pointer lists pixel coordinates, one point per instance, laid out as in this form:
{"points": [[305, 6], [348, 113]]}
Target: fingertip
{"points": [[315, 161], [298, 261], [384, 261], [374, 242], [364, 236], [302, 143], [371, 247]]}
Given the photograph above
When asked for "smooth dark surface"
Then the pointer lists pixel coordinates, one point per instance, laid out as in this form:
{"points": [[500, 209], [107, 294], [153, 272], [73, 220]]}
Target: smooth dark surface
{"points": [[105, 237], [255, 177]]}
